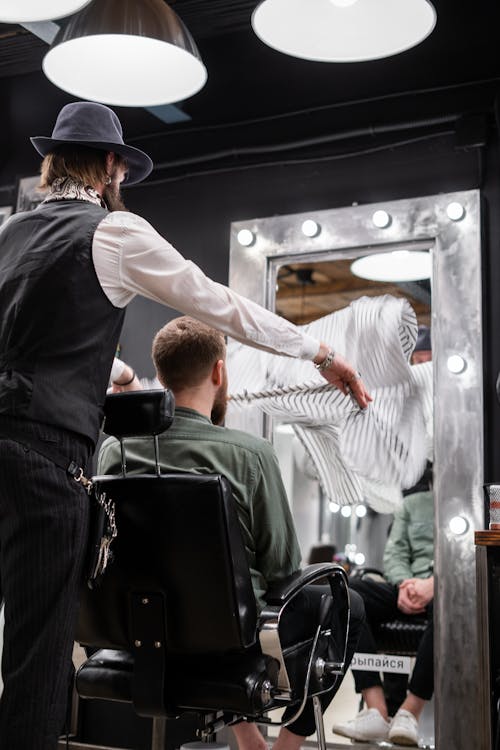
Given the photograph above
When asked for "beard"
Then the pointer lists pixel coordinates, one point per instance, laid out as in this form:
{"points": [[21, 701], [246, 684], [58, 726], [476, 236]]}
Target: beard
{"points": [[112, 195], [219, 407]]}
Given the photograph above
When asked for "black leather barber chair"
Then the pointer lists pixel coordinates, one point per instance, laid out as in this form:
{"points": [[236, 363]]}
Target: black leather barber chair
{"points": [[175, 617]]}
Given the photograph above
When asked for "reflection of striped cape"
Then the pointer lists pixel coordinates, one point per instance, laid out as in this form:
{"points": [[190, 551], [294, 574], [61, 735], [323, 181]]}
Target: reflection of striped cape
{"points": [[358, 456]]}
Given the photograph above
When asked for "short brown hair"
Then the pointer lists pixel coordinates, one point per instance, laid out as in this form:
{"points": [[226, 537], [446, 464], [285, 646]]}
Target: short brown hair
{"points": [[185, 351], [84, 164]]}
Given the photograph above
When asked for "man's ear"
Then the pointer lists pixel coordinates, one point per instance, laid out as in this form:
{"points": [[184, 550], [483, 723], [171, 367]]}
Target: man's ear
{"points": [[218, 373]]}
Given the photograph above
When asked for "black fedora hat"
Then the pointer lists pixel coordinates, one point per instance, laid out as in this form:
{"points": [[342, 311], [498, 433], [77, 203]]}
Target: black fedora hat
{"points": [[97, 126]]}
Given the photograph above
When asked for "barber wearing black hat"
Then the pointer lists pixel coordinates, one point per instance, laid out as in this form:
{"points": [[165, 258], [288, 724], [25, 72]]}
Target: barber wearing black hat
{"points": [[67, 272]]}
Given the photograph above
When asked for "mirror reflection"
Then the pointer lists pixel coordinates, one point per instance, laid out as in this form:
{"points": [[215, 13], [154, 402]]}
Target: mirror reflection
{"points": [[306, 291]]}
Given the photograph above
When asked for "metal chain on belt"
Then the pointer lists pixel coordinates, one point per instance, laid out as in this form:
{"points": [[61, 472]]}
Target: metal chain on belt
{"points": [[110, 530]]}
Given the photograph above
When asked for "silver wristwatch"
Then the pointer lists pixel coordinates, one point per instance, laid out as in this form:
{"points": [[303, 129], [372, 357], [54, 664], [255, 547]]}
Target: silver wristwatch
{"points": [[326, 362]]}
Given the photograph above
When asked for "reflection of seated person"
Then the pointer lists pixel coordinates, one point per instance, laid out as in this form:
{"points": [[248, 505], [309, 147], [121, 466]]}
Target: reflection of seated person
{"points": [[408, 589], [190, 360]]}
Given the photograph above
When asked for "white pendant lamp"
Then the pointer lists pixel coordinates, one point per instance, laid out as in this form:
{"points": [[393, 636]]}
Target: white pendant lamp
{"points": [[343, 30], [130, 53], [399, 265], [31, 11]]}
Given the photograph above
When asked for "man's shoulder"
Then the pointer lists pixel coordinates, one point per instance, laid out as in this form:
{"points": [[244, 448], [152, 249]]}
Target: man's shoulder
{"points": [[125, 220], [239, 439], [109, 457]]}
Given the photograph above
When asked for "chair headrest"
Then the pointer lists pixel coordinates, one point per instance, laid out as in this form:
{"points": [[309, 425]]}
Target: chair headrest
{"points": [[138, 413]]}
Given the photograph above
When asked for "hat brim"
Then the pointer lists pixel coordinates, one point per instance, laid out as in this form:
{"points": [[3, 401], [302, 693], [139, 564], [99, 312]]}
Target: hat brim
{"points": [[139, 164]]}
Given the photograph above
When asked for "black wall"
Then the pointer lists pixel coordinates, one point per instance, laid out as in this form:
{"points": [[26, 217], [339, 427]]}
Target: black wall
{"points": [[407, 154]]}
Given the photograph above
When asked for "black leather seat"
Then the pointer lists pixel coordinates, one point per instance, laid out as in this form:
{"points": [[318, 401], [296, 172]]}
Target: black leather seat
{"points": [[175, 617]]}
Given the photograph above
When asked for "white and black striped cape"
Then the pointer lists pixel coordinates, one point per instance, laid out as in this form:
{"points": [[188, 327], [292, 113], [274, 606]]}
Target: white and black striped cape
{"points": [[358, 456]]}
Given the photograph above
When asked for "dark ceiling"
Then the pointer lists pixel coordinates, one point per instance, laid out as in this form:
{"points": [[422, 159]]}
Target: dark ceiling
{"points": [[261, 105]]}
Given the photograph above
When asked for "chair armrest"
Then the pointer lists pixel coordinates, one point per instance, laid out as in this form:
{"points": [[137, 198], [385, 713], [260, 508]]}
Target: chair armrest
{"points": [[280, 592]]}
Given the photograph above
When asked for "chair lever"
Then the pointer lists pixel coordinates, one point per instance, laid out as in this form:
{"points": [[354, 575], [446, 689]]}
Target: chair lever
{"points": [[323, 667]]}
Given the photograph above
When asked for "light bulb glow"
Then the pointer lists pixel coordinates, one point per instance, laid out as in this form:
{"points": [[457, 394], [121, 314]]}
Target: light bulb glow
{"points": [[343, 30], [400, 265], [334, 508], [361, 511], [381, 219], [456, 364], [359, 558], [128, 59], [246, 237], [310, 228], [455, 211], [32, 11], [346, 511], [458, 525]]}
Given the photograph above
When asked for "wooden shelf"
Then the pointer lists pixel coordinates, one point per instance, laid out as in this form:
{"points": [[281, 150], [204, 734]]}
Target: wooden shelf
{"points": [[488, 538]]}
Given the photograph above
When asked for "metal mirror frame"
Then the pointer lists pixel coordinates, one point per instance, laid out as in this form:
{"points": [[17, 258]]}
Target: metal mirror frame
{"points": [[458, 402]]}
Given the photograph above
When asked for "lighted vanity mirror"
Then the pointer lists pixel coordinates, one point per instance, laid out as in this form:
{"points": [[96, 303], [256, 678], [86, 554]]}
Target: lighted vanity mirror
{"points": [[307, 291], [302, 267]]}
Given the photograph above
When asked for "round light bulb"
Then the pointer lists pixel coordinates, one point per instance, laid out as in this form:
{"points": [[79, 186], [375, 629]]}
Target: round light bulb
{"points": [[359, 558], [361, 511], [310, 228], [334, 508], [458, 525], [455, 211], [456, 364], [346, 511], [246, 237], [381, 219]]}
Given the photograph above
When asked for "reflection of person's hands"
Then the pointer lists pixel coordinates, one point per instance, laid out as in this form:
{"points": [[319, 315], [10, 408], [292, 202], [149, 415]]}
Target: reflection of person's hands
{"points": [[422, 591], [343, 376], [414, 595]]}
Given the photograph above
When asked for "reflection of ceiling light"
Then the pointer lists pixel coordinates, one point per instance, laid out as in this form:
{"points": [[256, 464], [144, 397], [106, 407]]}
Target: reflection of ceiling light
{"points": [[359, 558], [361, 511], [455, 211], [343, 30], [32, 11], [246, 237], [150, 56], [381, 219], [458, 525], [400, 265], [334, 508], [310, 228], [456, 364], [346, 511]]}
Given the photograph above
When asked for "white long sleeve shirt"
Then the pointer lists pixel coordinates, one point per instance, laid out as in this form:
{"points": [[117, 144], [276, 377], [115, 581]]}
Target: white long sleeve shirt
{"points": [[131, 258]]}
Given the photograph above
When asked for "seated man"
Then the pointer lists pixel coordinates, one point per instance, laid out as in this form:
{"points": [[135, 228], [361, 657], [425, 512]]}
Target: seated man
{"points": [[190, 360], [409, 588]]}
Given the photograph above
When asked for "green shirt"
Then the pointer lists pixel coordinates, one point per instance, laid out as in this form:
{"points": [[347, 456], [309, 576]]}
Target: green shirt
{"points": [[409, 552], [194, 444]]}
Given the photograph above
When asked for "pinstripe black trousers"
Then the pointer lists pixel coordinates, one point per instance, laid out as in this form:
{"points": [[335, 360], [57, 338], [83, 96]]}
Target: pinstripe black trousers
{"points": [[43, 533]]}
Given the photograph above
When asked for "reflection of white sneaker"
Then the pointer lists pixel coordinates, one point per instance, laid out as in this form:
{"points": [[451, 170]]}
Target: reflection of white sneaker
{"points": [[404, 729], [367, 726]]}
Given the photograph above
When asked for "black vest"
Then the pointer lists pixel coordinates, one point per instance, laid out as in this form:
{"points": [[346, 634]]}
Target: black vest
{"points": [[58, 330]]}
